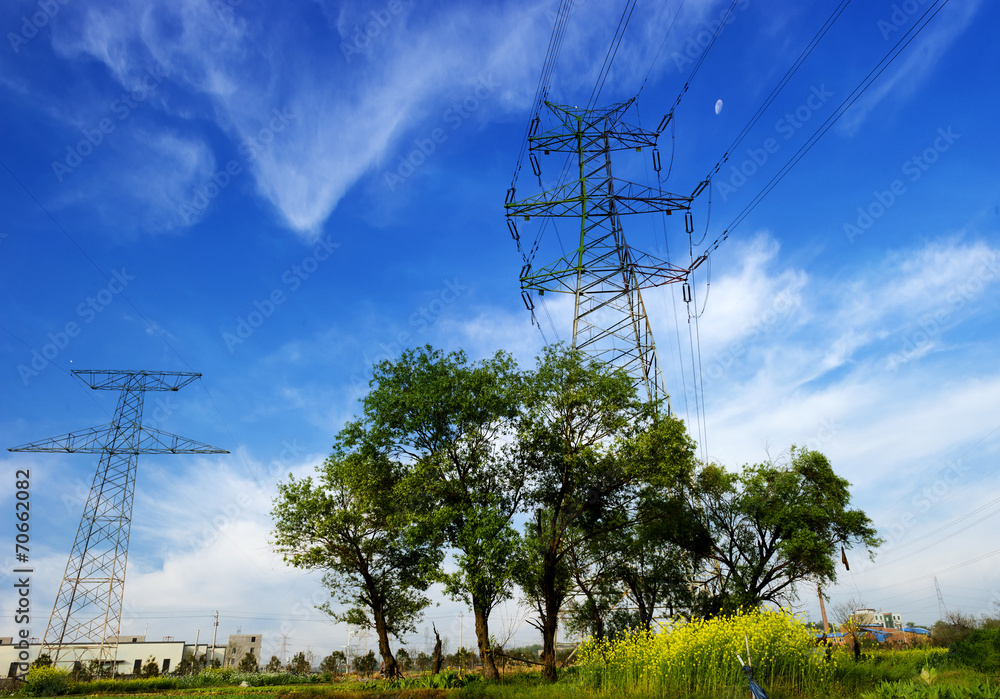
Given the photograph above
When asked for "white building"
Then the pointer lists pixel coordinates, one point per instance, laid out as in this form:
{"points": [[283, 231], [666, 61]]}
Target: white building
{"points": [[133, 653], [869, 617]]}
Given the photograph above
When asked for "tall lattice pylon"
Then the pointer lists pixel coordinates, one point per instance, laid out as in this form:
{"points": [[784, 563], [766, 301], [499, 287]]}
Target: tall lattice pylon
{"points": [[88, 608], [602, 272]]}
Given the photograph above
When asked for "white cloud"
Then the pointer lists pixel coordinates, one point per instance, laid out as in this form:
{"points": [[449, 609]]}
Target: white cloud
{"points": [[354, 110]]}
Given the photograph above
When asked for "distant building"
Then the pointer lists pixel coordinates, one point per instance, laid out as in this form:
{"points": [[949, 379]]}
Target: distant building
{"points": [[133, 653], [239, 645], [887, 620]]}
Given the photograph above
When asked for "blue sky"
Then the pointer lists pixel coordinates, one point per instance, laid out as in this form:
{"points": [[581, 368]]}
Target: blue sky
{"points": [[278, 196]]}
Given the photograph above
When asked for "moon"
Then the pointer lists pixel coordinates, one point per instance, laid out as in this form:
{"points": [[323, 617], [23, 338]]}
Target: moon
{"points": [[718, 106]]}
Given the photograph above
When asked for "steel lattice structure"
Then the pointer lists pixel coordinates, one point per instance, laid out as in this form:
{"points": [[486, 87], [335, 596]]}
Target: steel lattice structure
{"points": [[87, 611], [603, 273]]}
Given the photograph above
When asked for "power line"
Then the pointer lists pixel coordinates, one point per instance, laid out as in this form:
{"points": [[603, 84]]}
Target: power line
{"points": [[660, 50], [846, 104], [616, 42], [817, 37], [697, 66]]}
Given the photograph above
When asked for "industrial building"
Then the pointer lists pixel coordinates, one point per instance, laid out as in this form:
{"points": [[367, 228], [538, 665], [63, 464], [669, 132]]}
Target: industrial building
{"points": [[134, 652]]}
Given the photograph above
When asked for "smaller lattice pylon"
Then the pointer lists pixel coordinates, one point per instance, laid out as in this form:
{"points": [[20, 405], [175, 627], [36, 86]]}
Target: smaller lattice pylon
{"points": [[86, 616]]}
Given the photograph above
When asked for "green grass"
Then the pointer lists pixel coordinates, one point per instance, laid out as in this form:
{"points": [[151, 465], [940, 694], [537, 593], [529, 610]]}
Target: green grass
{"points": [[879, 675]]}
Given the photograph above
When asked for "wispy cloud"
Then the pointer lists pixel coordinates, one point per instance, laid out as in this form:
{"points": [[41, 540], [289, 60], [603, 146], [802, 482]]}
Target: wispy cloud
{"points": [[919, 59]]}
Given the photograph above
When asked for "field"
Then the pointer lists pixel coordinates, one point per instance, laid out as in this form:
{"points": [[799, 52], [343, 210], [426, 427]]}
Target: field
{"points": [[879, 675], [696, 660]]}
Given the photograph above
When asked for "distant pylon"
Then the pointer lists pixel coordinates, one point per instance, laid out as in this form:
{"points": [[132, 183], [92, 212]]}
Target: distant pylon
{"points": [[942, 609], [602, 272], [89, 604]]}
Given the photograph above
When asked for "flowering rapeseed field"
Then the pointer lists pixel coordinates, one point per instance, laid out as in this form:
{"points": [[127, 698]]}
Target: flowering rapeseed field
{"points": [[700, 656]]}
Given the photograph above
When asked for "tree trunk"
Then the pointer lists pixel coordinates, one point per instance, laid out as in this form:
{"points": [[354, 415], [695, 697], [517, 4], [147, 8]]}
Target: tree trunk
{"points": [[483, 640], [391, 666], [550, 621], [436, 663], [645, 612], [550, 616]]}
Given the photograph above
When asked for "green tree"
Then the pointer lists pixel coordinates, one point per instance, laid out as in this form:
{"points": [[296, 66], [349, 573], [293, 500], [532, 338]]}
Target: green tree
{"points": [[335, 662], [349, 524], [299, 665], [452, 420], [366, 665], [423, 661], [461, 658], [274, 664], [404, 660], [150, 669], [775, 526], [595, 453], [43, 660], [248, 663], [956, 626], [185, 666], [649, 548]]}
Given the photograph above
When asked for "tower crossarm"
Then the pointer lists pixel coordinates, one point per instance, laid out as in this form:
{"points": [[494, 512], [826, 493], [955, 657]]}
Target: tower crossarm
{"points": [[86, 441], [590, 130], [112, 380], [570, 198], [642, 270], [95, 440]]}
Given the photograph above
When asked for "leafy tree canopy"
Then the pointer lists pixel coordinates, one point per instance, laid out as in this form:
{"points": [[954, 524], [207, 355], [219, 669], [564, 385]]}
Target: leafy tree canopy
{"points": [[775, 526]]}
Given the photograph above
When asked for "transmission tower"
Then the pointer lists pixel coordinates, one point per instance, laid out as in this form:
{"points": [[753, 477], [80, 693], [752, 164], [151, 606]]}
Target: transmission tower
{"points": [[604, 275], [942, 608], [87, 611]]}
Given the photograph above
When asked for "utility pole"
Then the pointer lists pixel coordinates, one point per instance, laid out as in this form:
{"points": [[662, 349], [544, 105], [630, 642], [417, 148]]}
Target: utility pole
{"points": [[461, 648], [214, 634], [822, 609]]}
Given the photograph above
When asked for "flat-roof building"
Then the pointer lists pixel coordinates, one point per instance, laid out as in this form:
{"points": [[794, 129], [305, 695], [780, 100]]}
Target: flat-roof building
{"points": [[134, 652]]}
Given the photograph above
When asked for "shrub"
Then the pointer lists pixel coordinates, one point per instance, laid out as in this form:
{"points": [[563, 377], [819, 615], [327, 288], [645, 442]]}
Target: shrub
{"points": [[45, 681], [980, 651], [700, 656]]}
